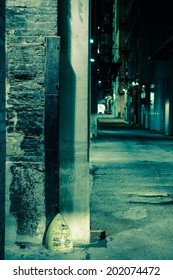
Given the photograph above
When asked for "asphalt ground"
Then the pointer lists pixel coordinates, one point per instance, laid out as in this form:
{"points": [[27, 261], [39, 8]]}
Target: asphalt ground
{"points": [[131, 199], [132, 194]]}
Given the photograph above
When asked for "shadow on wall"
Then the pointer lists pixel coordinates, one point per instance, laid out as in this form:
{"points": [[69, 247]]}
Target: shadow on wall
{"points": [[59, 124], [66, 107], [51, 126], [60, 161]]}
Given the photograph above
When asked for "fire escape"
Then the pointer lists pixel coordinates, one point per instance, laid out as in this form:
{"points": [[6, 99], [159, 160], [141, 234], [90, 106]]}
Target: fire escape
{"points": [[123, 48], [106, 69]]}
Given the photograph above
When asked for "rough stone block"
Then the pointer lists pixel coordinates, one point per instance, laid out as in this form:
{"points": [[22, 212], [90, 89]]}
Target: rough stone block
{"points": [[26, 196]]}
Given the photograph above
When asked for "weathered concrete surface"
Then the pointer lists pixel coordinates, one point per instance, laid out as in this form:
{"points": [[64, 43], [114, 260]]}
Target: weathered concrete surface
{"points": [[131, 199], [74, 112]]}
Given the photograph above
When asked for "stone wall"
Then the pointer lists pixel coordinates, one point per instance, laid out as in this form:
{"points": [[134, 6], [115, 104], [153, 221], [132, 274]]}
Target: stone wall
{"points": [[2, 127], [29, 23]]}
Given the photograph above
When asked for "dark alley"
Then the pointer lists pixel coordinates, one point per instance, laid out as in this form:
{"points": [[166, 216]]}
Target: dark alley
{"points": [[86, 132]]}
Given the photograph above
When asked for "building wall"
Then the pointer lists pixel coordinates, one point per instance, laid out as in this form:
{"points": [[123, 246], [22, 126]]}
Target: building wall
{"points": [[150, 28], [2, 127], [155, 67], [29, 23]]}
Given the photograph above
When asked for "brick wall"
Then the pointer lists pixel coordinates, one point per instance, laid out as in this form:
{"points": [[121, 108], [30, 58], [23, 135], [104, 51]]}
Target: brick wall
{"points": [[29, 22], [2, 127]]}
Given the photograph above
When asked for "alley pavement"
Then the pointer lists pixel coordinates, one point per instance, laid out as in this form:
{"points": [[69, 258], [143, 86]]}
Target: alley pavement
{"points": [[131, 199]]}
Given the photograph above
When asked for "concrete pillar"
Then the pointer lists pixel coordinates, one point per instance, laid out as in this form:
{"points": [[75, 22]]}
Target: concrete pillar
{"points": [[74, 163], [2, 127]]}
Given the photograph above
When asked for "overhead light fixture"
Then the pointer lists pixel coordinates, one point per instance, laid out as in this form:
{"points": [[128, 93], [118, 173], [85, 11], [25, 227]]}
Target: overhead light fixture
{"points": [[135, 83]]}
